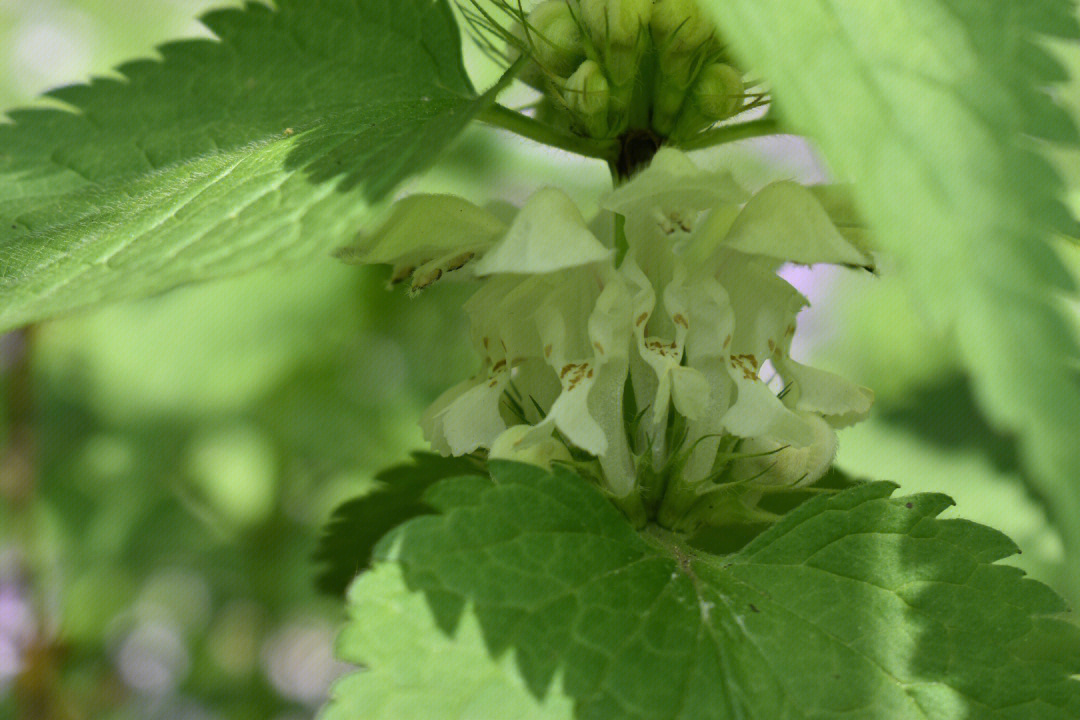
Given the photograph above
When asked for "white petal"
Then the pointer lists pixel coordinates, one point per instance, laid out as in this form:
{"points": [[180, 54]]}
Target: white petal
{"points": [[841, 401], [712, 320], [610, 323], [785, 222], [673, 183], [690, 392], [466, 417], [765, 306], [421, 228], [488, 310], [660, 338], [642, 303], [606, 407], [702, 433], [588, 411], [562, 318], [548, 234], [511, 312], [431, 420], [712, 324], [570, 412], [782, 464], [610, 329], [521, 444], [642, 295], [662, 356], [709, 234], [837, 201], [757, 411]]}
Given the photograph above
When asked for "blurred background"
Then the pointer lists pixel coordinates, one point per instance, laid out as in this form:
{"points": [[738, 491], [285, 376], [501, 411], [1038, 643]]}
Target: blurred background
{"points": [[166, 465]]}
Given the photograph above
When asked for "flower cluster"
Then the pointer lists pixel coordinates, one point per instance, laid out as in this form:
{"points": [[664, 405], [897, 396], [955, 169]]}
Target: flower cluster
{"points": [[665, 373], [606, 66]]}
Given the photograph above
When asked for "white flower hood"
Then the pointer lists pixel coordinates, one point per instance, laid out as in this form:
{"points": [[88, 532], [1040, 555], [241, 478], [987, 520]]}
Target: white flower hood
{"points": [[685, 322]]}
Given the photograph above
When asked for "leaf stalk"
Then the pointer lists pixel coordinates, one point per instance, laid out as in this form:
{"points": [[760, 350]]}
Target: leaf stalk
{"points": [[507, 119]]}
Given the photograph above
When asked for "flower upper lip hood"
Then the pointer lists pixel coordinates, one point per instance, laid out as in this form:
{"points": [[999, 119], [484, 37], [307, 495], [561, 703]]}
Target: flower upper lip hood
{"points": [[548, 234], [690, 316]]}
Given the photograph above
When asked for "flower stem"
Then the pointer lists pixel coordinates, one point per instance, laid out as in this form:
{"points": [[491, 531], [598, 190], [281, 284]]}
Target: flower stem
{"points": [[515, 122], [621, 244], [633, 508], [679, 498], [730, 133]]}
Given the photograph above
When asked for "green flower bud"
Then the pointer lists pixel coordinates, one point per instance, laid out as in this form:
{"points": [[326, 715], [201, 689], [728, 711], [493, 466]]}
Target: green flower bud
{"points": [[718, 91], [616, 28], [667, 102], [555, 36], [588, 96], [678, 26], [770, 462], [615, 22]]}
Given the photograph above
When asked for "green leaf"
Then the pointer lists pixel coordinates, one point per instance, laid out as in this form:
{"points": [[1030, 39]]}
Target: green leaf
{"points": [[720, 540], [857, 605], [356, 526], [937, 111], [271, 143], [412, 670]]}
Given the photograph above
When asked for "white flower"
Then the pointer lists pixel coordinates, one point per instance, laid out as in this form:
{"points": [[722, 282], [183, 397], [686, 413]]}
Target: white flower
{"points": [[690, 317], [518, 443]]}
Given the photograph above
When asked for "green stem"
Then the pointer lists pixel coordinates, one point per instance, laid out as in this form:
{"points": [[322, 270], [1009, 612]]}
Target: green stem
{"points": [[679, 498], [621, 244], [633, 507], [731, 133], [507, 119]]}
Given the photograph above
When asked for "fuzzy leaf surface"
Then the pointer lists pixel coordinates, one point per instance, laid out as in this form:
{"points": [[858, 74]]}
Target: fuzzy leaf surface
{"points": [[858, 605], [269, 143], [938, 113]]}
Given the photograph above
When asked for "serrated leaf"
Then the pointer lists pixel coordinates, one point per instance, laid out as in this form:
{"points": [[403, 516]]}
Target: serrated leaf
{"points": [[938, 112], [858, 605], [720, 540], [270, 143], [356, 526], [412, 670]]}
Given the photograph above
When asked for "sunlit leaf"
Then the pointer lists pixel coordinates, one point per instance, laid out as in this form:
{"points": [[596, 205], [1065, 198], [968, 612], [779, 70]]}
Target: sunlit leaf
{"points": [[415, 671], [272, 142], [858, 605]]}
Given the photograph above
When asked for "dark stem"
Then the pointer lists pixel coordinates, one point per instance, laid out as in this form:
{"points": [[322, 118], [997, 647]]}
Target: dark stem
{"points": [[636, 151], [17, 458], [37, 688]]}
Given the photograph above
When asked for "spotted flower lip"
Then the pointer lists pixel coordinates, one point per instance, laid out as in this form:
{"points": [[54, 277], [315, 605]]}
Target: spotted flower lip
{"points": [[688, 323]]}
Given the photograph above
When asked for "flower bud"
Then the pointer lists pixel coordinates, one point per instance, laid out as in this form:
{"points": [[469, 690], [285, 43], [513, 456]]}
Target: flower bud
{"points": [[678, 26], [667, 102], [555, 37], [588, 96], [718, 91], [615, 22], [768, 462], [616, 28]]}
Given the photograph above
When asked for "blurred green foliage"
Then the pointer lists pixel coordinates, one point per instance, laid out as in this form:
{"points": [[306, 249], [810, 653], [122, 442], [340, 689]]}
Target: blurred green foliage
{"points": [[189, 447]]}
